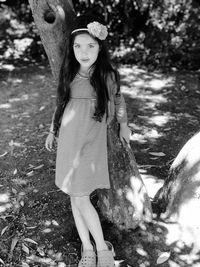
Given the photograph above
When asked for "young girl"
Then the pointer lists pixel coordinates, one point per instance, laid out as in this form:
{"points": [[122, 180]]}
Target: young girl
{"points": [[88, 97]]}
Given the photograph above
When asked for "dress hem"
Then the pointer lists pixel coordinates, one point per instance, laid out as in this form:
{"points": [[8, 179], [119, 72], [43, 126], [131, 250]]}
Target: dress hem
{"points": [[83, 194]]}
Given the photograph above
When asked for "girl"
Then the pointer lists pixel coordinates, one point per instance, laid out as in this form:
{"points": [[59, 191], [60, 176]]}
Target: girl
{"points": [[88, 97]]}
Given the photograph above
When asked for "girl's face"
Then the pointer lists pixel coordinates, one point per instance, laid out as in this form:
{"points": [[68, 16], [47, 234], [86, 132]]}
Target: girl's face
{"points": [[86, 50]]}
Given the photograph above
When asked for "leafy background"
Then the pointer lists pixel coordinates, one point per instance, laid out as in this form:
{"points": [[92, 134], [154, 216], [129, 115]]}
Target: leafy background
{"points": [[158, 34]]}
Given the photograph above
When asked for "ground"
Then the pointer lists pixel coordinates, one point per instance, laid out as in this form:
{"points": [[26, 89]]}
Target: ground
{"points": [[36, 223]]}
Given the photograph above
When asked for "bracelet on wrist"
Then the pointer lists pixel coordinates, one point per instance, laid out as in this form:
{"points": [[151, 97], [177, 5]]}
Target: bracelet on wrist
{"points": [[52, 132]]}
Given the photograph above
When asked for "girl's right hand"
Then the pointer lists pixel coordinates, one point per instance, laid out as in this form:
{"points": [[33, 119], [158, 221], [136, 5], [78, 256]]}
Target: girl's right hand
{"points": [[49, 141]]}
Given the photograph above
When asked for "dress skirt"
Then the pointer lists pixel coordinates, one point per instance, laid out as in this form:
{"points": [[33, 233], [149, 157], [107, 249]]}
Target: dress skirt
{"points": [[81, 163]]}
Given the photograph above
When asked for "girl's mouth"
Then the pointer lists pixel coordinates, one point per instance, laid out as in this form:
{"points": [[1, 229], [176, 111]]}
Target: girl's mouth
{"points": [[85, 59]]}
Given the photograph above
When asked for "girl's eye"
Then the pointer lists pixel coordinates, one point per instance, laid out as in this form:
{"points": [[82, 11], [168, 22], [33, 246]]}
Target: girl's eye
{"points": [[76, 46], [91, 46]]}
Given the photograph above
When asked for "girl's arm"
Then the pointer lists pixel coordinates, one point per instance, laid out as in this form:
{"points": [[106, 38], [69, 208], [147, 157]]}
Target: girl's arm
{"points": [[51, 130], [121, 113], [55, 125], [56, 118], [51, 136], [120, 108]]}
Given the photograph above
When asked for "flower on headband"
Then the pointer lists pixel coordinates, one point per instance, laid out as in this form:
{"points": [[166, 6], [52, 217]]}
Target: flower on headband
{"points": [[97, 30]]}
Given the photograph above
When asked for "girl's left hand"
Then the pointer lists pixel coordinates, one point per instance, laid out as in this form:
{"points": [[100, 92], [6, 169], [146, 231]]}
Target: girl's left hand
{"points": [[124, 133]]}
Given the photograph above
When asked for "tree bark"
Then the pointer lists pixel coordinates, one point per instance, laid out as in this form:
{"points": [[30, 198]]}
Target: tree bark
{"points": [[53, 18], [127, 203], [179, 198]]}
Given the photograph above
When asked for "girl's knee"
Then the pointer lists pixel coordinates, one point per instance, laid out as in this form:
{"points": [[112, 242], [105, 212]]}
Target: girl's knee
{"points": [[80, 202]]}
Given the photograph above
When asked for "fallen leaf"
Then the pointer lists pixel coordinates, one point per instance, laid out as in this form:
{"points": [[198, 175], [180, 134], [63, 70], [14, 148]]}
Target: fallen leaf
{"points": [[158, 154], [2, 261], [40, 251], [141, 251], [14, 191], [12, 143], [13, 244], [2, 155], [30, 240], [31, 227], [25, 249], [164, 256], [22, 203], [31, 166], [41, 108], [38, 167], [30, 173], [15, 171], [4, 229]]}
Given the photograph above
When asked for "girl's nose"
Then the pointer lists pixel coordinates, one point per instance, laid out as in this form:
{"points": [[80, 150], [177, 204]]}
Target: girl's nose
{"points": [[84, 52]]}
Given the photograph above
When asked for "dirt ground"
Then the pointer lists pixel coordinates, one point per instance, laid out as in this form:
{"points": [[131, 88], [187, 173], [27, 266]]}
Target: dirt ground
{"points": [[36, 224]]}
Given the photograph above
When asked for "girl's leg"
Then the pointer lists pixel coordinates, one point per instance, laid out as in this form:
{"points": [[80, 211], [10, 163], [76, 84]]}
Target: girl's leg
{"points": [[91, 219], [81, 226]]}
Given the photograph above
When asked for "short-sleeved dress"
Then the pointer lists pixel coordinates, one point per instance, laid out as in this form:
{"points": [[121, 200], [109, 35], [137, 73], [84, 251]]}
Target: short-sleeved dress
{"points": [[81, 163]]}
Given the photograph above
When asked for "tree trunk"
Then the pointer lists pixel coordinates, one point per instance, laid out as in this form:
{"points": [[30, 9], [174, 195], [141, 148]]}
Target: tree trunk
{"points": [[126, 204], [179, 198], [53, 18]]}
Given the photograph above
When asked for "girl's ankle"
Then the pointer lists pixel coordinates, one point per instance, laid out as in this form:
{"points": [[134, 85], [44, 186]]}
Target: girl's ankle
{"points": [[87, 247], [102, 246]]}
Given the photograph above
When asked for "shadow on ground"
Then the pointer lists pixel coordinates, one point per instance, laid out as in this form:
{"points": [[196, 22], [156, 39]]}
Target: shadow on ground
{"points": [[36, 223]]}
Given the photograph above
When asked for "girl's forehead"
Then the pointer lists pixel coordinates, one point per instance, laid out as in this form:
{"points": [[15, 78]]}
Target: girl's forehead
{"points": [[84, 38]]}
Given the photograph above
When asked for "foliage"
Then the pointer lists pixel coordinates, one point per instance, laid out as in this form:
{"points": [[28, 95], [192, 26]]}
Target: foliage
{"points": [[18, 35], [163, 33]]}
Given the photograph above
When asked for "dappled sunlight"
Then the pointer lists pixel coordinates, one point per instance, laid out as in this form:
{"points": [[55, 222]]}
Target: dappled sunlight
{"points": [[146, 135], [4, 198], [40, 77], [181, 240], [159, 120], [140, 78], [8, 67], [134, 70], [68, 117], [160, 83], [49, 226], [154, 98], [51, 223], [4, 202], [155, 119], [16, 81], [149, 88], [20, 45], [152, 183], [133, 193], [22, 98], [156, 84], [47, 261], [5, 106]]}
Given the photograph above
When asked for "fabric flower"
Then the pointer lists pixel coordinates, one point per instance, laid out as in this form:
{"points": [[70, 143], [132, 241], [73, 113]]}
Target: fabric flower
{"points": [[97, 30]]}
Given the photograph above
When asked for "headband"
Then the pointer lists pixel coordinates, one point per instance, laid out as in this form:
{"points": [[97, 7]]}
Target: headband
{"points": [[96, 29]]}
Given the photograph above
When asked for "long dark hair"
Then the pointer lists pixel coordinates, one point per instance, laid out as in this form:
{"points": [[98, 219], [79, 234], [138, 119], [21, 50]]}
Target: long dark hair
{"points": [[101, 70]]}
